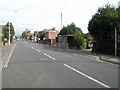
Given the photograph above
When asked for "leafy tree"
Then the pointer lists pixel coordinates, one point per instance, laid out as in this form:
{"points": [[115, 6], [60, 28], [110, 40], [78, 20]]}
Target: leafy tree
{"points": [[118, 31], [26, 34], [6, 31], [41, 34], [102, 28], [88, 37], [79, 40]]}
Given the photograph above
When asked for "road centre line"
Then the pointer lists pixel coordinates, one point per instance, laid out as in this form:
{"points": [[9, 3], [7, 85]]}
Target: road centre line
{"points": [[32, 47], [106, 86], [75, 54], [38, 50], [49, 56]]}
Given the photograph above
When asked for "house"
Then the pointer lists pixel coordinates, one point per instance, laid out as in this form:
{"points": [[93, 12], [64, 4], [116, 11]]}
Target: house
{"points": [[50, 36], [1, 35]]}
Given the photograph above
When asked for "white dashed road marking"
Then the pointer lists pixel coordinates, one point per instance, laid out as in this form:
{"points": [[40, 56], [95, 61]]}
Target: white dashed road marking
{"points": [[106, 86], [38, 50], [49, 56], [32, 47]]}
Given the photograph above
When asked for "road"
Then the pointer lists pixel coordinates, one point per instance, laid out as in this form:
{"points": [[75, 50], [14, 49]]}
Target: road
{"points": [[35, 65]]}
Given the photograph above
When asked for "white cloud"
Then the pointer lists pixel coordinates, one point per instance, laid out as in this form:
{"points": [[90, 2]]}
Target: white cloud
{"points": [[40, 14]]}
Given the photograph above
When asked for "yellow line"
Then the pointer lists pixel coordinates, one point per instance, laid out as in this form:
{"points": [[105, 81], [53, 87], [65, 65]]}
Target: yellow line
{"points": [[97, 58], [8, 59]]}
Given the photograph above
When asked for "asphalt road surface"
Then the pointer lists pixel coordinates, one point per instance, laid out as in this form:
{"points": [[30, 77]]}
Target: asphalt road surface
{"points": [[33, 65]]}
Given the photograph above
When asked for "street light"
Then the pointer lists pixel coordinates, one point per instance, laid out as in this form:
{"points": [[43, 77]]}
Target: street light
{"points": [[9, 34], [61, 20], [115, 41], [9, 30]]}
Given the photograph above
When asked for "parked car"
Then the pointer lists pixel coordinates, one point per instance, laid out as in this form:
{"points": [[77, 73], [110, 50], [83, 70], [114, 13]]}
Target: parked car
{"points": [[89, 44]]}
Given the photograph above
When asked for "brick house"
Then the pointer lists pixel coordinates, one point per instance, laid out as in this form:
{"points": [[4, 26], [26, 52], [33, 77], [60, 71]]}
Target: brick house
{"points": [[1, 35], [50, 36]]}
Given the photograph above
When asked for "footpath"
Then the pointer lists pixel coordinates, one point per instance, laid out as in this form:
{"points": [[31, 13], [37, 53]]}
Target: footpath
{"points": [[6, 49], [103, 57]]}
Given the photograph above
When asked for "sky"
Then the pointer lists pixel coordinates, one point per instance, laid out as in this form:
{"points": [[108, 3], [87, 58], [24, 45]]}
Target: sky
{"points": [[45, 14]]}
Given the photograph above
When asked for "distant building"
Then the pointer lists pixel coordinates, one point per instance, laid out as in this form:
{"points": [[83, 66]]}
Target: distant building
{"points": [[1, 28], [1, 34], [50, 36]]}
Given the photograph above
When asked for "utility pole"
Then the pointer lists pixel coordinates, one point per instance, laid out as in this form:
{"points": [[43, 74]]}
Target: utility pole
{"points": [[61, 20], [115, 41], [9, 34]]}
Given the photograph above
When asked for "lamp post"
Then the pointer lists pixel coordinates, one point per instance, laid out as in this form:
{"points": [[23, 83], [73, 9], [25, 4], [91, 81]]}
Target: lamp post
{"points": [[9, 29], [9, 34], [61, 20], [115, 41]]}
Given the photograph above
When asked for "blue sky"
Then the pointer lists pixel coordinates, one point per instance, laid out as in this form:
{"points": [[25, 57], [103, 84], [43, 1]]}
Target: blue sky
{"points": [[39, 14]]}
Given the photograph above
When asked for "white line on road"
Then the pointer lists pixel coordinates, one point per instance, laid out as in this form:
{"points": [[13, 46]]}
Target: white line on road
{"points": [[38, 50], [32, 47], [76, 54], [49, 56], [106, 86]]}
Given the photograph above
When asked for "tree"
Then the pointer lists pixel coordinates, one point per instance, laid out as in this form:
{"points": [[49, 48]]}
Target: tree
{"points": [[102, 28], [118, 31], [6, 31], [41, 34], [79, 40], [26, 34], [88, 37]]}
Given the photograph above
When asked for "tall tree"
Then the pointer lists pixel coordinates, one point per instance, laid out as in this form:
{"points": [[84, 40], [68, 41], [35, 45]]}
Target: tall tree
{"points": [[6, 31], [88, 37], [26, 34], [118, 31], [79, 40], [41, 34], [102, 28]]}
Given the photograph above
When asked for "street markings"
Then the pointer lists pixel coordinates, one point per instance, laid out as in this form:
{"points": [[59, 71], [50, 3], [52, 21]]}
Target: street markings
{"points": [[32, 47], [44, 59], [67, 56], [49, 56], [75, 54], [44, 54], [8, 59], [106, 86], [38, 50]]}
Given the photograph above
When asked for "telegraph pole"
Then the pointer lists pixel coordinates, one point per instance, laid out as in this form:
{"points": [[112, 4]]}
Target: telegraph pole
{"points": [[61, 20], [115, 41], [62, 15], [9, 34]]}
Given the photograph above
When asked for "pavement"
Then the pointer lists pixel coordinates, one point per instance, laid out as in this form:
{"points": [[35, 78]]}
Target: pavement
{"points": [[109, 58], [6, 49], [103, 57]]}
